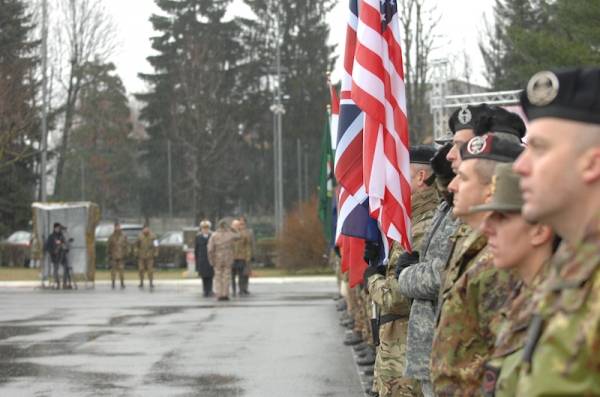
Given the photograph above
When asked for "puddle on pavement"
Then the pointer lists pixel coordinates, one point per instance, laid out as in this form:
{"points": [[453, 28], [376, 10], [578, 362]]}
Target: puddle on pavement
{"points": [[97, 380], [64, 346], [9, 331], [202, 385]]}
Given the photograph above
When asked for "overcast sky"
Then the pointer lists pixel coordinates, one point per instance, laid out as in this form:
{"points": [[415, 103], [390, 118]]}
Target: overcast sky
{"points": [[461, 25]]}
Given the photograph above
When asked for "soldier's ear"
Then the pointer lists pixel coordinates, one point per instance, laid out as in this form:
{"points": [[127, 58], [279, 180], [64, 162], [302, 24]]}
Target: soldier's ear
{"points": [[590, 165]]}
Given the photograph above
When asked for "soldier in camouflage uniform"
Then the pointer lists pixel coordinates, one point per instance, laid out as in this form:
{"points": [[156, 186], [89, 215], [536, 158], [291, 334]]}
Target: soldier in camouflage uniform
{"points": [[220, 254], [117, 249], [420, 282], [524, 249], [383, 288], [473, 290], [146, 248], [562, 351], [242, 256], [248, 234]]}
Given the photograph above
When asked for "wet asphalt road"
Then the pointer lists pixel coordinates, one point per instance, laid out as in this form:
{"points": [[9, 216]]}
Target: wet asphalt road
{"points": [[284, 340]]}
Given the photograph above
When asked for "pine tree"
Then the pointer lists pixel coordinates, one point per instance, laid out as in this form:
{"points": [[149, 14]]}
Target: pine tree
{"points": [[306, 59], [193, 104], [19, 124], [532, 35], [101, 165]]}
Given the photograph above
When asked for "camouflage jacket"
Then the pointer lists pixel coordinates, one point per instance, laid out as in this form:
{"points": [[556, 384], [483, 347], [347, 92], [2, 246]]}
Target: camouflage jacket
{"points": [[472, 294], [421, 283], [243, 246], [565, 360], [146, 246], [220, 248], [501, 371], [117, 246], [384, 291]]}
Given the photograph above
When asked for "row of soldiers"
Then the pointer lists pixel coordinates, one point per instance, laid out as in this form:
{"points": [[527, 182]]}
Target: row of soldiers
{"points": [[145, 248], [501, 293]]}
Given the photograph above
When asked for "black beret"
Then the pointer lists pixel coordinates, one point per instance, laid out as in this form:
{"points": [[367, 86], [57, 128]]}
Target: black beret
{"points": [[442, 168], [500, 120], [56, 224], [421, 154], [465, 117], [572, 94], [491, 147]]}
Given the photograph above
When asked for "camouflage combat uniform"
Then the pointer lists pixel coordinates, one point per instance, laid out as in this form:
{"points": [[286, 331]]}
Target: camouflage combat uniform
{"points": [[146, 250], [472, 293], [565, 360], [394, 307], [421, 283], [220, 254], [242, 255], [502, 370], [117, 248]]}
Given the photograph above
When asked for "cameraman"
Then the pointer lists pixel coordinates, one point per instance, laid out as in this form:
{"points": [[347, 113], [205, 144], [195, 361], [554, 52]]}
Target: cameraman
{"points": [[56, 245]]}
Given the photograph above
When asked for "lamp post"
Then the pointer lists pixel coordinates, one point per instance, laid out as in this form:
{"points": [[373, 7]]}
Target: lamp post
{"points": [[278, 111], [44, 145]]}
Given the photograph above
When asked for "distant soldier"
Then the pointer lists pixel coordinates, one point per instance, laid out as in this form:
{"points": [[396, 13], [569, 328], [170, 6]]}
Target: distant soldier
{"points": [[118, 248], [220, 255], [146, 248], [56, 245], [203, 266], [560, 184], [243, 256]]}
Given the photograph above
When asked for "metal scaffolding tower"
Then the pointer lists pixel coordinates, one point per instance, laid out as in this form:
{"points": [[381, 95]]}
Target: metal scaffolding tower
{"points": [[441, 102]]}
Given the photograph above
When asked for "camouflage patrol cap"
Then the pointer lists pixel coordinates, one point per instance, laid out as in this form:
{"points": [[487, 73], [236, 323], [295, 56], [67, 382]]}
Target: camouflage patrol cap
{"points": [[421, 154], [506, 194], [572, 94], [491, 147]]}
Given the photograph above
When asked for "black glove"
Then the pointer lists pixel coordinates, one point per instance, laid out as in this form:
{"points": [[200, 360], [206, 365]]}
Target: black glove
{"points": [[370, 271], [371, 254], [405, 260]]}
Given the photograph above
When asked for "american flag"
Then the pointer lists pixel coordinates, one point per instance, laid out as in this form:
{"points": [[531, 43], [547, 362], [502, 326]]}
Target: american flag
{"points": [[354, 224], [379, 91]]}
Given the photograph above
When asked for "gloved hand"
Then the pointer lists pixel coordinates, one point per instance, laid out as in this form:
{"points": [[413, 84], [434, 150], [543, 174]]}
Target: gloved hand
{"points": [[370, 271], [371, 254], [405, 260]]}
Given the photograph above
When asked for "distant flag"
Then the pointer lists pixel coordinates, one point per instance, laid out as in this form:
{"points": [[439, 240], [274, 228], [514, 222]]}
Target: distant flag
{"points": [[335, 114], [326, 184], [379, 91]]}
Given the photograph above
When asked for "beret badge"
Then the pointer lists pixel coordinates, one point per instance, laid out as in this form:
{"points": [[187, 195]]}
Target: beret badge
{"points": [[542, 88], [476, 145], [465, 116]]}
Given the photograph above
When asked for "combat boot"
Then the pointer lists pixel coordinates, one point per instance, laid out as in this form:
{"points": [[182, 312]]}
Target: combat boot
{"points": [[141, 281], [151, 281], [369, 358], [113, 284], [352, 339], [122, 283]]}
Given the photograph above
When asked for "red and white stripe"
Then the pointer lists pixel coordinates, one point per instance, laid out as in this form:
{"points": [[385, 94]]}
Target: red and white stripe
{"points": [[335, 115], [378, 89]]}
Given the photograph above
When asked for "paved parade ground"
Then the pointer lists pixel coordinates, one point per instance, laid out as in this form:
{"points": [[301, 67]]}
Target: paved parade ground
{"points": [[283, 340]]}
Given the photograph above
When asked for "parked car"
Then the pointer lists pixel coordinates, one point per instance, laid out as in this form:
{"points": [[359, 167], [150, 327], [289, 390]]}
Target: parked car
{"points": [[16, 249], [170, 250], [103, 232]]}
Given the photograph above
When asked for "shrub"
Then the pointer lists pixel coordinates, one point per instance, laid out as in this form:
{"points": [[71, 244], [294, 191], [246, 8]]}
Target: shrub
{"points": [[302, 244]]}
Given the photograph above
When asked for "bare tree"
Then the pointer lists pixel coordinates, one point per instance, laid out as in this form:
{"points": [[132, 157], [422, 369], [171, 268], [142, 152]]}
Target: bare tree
{"points": [[83, 32], [418, 22]]}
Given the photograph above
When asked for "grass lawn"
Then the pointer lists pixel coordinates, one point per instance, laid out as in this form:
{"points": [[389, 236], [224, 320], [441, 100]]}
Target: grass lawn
{"points": [[25, 274]]}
